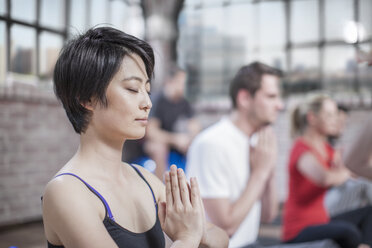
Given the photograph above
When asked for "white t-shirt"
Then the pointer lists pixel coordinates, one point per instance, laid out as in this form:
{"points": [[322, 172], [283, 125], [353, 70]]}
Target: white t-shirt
{"points": [[219, 159]]}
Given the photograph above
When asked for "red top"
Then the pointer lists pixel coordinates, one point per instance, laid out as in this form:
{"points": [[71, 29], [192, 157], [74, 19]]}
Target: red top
{"points": [[305, 202]]}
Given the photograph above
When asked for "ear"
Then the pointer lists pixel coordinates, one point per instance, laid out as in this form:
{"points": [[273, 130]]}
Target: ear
{"points": [[310, 117], [88, 105], [244, 98]]}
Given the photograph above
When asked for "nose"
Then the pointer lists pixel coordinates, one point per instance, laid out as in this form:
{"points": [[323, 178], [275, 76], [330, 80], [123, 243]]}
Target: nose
{"points": [[146, 103], [280, 104]]}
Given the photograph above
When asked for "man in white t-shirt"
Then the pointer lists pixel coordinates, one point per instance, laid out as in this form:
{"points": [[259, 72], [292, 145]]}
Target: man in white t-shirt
{"points": [[235, 173]]}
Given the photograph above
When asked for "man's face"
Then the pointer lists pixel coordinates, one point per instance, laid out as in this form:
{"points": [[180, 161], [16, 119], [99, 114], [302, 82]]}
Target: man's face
{"points": [[267, 102]]}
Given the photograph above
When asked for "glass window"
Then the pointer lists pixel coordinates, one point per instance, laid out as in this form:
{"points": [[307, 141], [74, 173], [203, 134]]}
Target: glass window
{"points": [[365, 11], [192, 3], [23, 41], [78, 16], [2, 53], [338, 16], [2, 7], [305, 59], [50, 45], [237, 16], [118, 13], [98, 12], [213, 19], [273, 57], [209, 3], [365, 71], [304, 74], [189, 24], [134, 22], [304, 16], [24, 10], [339, 67], [271, 24], [53, 13]]}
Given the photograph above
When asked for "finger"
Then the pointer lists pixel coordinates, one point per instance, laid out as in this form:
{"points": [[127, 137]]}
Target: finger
{"points": [[195, 194], [183, 188], [162, 212], [168, 189], [175, 186]]}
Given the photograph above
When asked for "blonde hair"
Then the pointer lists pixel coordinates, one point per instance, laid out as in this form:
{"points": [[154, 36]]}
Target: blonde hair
{"points": [[299, 114]]}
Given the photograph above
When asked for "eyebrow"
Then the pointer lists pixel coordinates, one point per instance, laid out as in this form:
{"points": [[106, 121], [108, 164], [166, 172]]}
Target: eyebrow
{"points": [[136, 79]]}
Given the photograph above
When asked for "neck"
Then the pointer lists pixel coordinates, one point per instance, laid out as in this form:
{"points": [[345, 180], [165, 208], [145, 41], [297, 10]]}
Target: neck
{"points": [[243, 123], [313, 136], [99, 156]]}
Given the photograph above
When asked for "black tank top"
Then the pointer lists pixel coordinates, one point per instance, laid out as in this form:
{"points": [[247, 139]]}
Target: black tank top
{"points": [[153, 238]]}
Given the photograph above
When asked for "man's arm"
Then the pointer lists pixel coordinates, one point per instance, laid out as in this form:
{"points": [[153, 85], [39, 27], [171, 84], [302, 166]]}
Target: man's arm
{"points": [[269, 201], [229, 215], [358, 157]]}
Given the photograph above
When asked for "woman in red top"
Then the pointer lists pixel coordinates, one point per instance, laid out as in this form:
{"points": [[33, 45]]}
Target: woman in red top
{"points": [[312, 171]]}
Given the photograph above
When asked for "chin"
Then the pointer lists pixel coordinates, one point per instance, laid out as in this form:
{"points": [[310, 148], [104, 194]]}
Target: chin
{"points": [[136, 135]]}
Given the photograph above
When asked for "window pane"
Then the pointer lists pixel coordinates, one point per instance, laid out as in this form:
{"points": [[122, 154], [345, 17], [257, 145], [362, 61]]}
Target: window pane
{"points": [[214, 3], [78, 16], [305, 59], [236, 15], [213, 19], [24, 10], [338, 14], [365, 10], [2, 53], [134, 24], [339, 67], [98, 12], [2, 7], [118, 13], [304, 73], [271, 24], [192, 3], [50, 45], [365, 71], [23, 50], [52, 13], [304, 21], [188, 45], [273, 57]]}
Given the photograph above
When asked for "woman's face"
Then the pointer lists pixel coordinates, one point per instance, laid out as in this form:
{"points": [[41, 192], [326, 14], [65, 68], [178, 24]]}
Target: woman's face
{"points": [[129, 104], [326, 119]]}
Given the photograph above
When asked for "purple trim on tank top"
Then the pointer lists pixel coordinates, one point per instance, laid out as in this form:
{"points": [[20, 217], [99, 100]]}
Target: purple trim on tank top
{"points": [[95, 191], [153, 195]]}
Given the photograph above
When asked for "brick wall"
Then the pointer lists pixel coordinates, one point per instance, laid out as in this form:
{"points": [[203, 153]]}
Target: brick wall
{"points": [[36, 139]]}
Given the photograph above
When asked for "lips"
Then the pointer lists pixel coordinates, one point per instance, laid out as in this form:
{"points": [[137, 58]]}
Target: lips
{"points": [[142, 121]]}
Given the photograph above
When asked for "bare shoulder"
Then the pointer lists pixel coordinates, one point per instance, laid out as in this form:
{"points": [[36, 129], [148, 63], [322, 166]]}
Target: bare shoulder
{"points": [[66, 202], [62, 195], [155, 183]]}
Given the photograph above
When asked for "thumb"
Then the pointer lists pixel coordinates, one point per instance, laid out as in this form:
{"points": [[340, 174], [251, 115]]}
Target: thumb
{"points": [[162, 212]]}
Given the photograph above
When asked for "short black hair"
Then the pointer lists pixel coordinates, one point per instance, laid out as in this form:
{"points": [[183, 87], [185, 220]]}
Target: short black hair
{"points": [[343, 108], [249, 77], [86, 65]]}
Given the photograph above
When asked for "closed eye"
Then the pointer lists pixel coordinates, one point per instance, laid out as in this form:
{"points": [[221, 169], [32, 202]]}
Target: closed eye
{"points": [[133, 90]]}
